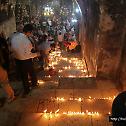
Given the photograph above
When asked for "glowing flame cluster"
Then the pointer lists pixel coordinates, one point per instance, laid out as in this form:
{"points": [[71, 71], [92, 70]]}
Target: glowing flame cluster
{"points": [[82, 113], [55, 114], [105, 98], [62, 99], [41, 82], [50, 115], [77, 64]]}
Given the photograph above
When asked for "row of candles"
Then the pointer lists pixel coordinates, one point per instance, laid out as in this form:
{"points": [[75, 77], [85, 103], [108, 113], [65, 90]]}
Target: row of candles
{"points": [[80, 99], [49, 115], [74, 63], [71, 64], [57, 113], [62, 99]]}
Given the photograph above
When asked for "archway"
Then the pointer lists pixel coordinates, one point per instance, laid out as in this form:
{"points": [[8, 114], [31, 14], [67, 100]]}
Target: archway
{"points": [[87, 28], [100, 58], [102, 36]]}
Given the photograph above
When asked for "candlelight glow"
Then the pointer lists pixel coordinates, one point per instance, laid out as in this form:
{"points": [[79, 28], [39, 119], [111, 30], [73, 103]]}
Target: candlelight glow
{"points": [[71, 76], [41, 82], [62, 99], [71, 67], [55, 114]]}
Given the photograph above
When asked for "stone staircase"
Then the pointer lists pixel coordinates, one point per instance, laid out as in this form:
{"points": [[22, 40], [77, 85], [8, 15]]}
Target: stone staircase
{"points": [[63, 101], [80, 106]]}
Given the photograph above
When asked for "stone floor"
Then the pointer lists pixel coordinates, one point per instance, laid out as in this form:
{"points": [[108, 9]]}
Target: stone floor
{"points": [[67, 98]]}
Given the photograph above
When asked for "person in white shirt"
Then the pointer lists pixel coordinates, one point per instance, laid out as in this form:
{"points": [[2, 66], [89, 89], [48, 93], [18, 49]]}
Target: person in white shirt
{"points": [[23, 52]]}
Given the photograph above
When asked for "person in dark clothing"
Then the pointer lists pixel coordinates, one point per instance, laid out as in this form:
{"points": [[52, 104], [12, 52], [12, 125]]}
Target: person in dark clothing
{"points": [[119, 109], [5, 51], [4, 66]]}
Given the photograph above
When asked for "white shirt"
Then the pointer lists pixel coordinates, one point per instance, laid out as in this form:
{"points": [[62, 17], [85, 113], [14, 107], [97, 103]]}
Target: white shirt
{"points": [[21, 47]]}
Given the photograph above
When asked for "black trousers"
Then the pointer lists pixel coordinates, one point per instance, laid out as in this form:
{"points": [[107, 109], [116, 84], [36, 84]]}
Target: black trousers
{"points": [[26, 70]]}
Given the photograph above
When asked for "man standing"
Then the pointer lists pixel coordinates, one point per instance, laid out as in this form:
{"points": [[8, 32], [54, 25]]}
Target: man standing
{"points": [[23, 51]]}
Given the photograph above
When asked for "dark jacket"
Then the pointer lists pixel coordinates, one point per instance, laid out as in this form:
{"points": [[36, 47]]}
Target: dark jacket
{"points": [[4, 54]]}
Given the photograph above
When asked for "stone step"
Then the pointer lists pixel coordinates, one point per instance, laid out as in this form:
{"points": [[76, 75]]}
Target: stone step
{"points": [[9, 118], [102, 106], [52, 119], [39, 119], [68, 93], [77, 104], [28, 111], [77, 83], [31, 108]]}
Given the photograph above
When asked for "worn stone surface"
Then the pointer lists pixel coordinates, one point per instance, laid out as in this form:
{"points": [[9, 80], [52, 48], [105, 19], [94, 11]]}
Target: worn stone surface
{"points": [[77, 83], [37, 120], [102, 37], [110, 41], [28, 111], [9, 118]]}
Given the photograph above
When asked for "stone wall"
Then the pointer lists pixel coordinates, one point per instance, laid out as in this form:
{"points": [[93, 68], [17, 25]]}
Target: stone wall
{"points": [[103, 37], [88, 33], [123, 65], [111, 37]]}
